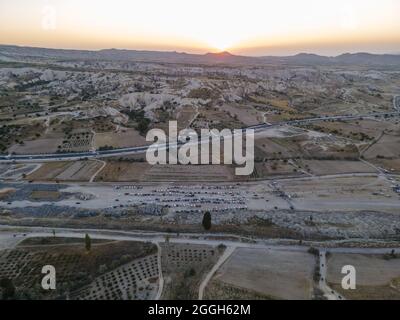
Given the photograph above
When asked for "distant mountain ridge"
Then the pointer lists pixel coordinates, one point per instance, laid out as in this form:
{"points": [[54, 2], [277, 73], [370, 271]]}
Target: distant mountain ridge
{"points": [[11, 51]]}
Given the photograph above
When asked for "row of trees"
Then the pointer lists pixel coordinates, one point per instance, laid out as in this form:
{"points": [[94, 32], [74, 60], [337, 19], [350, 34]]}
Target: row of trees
{"points": [[8, 288]]}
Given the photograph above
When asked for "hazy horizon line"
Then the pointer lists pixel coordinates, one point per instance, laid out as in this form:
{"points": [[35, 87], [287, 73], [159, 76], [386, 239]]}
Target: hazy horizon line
{"points": [[195, 53]]}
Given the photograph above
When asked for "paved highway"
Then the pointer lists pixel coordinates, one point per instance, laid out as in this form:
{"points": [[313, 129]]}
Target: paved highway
{"points": [[212, 239], [139, 150]]}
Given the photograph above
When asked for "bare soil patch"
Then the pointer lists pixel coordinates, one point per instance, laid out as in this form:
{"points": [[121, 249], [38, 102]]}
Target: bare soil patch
{"points": [[276, 274], [123, 171], [328, 167], [65, 171], [48, 145], [376, 277], [388, 147], [122, 139], [45, 195]]}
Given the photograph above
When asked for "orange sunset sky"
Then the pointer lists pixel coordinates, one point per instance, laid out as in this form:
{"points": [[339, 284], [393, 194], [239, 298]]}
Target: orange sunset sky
{"points": [[250, 27]]}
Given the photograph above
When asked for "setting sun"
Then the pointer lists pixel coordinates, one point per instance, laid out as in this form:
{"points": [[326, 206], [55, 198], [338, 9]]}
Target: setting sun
{"points": [[219, 43]]}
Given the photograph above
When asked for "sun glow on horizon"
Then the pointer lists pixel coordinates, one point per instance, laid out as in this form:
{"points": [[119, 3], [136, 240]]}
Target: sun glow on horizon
{"points": [[251, 26], [220, 44]]}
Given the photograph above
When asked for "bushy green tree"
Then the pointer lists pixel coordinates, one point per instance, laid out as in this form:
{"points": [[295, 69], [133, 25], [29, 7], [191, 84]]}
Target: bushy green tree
{"points": [[88, 242], [207, 221]]}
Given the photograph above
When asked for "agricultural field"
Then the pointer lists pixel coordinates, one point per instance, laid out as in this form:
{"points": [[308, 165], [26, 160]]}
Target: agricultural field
{"points": [[142, 171], [185, 117], [246, 114], [386, 147], [363, 131], [136, 280], [332, 167], [77, 267], [265, 273], [121, 139], [217, 290], [377, 276], [123, 171], [391, 165], [184, 266], [65, 171], [17, 171], [189, 173], [275, 168], [45, 145]]}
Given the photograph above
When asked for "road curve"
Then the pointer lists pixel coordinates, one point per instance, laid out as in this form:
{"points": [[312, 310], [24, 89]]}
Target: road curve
{"points": [[160, 274], [103, 164], [227, 253]]}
